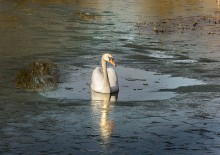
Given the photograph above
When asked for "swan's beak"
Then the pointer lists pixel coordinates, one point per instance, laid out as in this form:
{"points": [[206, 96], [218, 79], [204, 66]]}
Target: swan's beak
{"points": [[112, 61]]}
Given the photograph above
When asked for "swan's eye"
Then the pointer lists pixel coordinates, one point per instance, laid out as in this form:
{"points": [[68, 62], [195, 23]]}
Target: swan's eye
{"points": [[110, 58]]}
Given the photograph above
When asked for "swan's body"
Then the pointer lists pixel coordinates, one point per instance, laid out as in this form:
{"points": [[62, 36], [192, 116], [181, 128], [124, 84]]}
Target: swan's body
{"points": [[105, 80]]}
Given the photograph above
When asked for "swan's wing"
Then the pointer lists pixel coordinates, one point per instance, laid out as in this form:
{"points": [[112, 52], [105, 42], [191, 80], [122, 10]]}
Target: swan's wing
{"points": [[97, 78], [113, 79]]}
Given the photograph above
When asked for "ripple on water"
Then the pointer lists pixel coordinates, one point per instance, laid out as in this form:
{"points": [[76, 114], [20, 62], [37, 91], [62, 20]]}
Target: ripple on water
{"points": [[135, 85], [188, 61], [161, 55]]}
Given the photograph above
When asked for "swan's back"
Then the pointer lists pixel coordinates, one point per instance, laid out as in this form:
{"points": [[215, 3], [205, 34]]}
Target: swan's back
{"points": [[97, 79]]}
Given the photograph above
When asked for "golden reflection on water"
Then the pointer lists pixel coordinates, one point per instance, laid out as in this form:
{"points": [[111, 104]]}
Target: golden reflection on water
{"points": [[33, 26], [169, 8], [103, 104]]}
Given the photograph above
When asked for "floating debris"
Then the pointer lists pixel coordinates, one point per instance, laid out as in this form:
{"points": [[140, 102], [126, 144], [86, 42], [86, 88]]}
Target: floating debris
{"points": [[85, 15], [208, 23], [37, 76]]}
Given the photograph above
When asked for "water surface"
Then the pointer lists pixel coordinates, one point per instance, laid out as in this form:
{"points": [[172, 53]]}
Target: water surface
{"points": [[168, 67]]}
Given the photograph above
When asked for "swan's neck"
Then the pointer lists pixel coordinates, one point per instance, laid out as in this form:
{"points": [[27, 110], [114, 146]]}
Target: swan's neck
{"points": [[106, 85]]}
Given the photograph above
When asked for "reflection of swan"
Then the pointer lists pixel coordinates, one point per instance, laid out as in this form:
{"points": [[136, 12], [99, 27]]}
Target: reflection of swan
{"points": [[111, 97], [103, 103], [105, 80]]}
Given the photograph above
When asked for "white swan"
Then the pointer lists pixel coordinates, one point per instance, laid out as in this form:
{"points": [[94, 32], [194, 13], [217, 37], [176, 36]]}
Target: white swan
{"points": [[105, 80]]}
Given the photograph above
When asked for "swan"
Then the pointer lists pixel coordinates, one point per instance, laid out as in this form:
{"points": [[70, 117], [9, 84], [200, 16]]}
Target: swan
{"points": [[105, 80]]}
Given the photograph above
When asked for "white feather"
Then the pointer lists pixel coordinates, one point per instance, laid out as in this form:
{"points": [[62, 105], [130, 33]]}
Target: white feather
{"points": [[97, 79], [105, 80]]}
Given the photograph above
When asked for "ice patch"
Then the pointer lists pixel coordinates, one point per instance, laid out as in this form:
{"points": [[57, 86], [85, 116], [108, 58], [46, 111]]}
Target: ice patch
{"points": [[135, 85]]}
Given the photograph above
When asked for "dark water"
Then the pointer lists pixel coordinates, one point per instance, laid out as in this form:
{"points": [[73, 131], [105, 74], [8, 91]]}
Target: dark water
{"points": [[168, 67]]}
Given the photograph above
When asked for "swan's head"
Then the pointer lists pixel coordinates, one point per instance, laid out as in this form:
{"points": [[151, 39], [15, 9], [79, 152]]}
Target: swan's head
{"points": [[108, 58]]}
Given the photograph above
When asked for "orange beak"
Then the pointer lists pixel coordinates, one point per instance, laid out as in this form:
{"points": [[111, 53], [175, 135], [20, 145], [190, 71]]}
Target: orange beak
{"points": [[112, 61]]}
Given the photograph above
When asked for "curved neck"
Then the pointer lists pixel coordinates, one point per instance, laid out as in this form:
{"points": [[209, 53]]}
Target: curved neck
{"points": [[106, 85]]}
